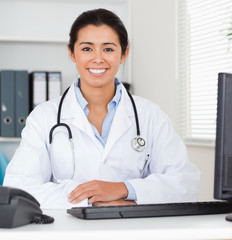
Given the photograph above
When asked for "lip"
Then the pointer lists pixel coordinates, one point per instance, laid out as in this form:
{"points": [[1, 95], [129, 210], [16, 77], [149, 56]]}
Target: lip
{"points": [[98, 72]]}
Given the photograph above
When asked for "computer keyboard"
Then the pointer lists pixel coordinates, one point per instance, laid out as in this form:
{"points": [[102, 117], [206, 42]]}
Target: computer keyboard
{"points": [[152, 210]]}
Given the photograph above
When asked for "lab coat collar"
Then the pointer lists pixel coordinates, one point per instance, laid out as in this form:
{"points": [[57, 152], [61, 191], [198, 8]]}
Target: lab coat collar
{"points": [[70, 104], [121, 122], [72, 110]]}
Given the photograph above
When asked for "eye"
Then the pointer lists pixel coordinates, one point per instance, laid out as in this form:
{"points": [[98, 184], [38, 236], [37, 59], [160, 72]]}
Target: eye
{"points": [[108, 50], [87, 49]]}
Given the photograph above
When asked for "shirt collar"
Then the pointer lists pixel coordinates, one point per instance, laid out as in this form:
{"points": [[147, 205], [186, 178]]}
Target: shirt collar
{"points": [[82, 101], [118, 93]]}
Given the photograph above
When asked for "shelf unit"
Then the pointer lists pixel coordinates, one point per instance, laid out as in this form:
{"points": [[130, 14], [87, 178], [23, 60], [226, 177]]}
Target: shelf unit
{"points": [[34, 36], [50, 20], [17, 39], [10, 139]]}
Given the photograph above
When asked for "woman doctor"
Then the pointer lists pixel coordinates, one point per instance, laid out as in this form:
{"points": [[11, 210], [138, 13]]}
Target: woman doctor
{"points": [[108, 163]]}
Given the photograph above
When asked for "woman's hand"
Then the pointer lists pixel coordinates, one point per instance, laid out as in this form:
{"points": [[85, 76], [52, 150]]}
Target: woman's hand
{"points": [[99, 191], [114, 203]]}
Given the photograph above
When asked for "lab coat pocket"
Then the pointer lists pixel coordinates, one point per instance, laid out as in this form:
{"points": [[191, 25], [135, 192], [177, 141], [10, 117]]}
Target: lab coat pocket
{"points": [[135, 167]]}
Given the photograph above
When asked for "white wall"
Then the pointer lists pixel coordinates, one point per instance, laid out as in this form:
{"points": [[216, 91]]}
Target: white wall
{"points": [[154, 72], [203, 158], [153, 48]]}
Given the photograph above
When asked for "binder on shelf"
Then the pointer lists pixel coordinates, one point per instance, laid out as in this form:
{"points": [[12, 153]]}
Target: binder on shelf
{"points": [[53, 84], [7, 99], [21, 101], [44, 86], [38, 88]]}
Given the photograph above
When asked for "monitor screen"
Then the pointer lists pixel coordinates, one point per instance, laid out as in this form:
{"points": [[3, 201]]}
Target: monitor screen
{"points": [[223, 148]]}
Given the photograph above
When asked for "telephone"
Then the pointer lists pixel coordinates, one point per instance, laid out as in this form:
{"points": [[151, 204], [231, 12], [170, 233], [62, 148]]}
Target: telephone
{"points": [[18, 208]]}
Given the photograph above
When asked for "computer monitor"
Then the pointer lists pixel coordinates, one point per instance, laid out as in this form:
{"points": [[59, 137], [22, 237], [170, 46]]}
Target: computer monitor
{"points": [[223, 150]]}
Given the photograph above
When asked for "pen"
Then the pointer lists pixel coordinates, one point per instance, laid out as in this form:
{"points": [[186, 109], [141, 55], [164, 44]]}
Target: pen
{"points": [[145, 164]]}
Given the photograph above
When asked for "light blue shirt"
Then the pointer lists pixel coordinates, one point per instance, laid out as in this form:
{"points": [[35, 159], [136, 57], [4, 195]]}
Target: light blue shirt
{"points": [[112, 106]]}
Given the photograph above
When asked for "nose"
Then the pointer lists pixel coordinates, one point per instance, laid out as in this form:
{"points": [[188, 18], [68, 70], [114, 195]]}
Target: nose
{"points": [[98, 57]]}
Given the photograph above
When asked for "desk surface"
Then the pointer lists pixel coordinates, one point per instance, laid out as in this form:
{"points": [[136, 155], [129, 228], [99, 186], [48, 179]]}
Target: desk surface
{"points": [[69, 227]]}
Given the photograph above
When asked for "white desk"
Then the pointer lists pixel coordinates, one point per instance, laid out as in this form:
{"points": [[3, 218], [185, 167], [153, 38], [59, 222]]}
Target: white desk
{"points": [[67, 227]]}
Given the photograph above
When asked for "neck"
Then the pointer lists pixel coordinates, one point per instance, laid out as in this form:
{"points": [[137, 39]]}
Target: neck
{"points": [[98, 97]]}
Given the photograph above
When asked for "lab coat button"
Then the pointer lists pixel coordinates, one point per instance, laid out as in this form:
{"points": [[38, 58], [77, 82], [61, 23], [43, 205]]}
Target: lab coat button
{"points": [[104, 162]]}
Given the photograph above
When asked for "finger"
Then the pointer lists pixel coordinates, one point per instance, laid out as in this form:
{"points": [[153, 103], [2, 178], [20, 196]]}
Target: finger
{"points": [[95, 198], [79, 196], [108, 203], [98, 204], [114, 203], [83, 191], [80, 187], [82, 197], [78, 191]]}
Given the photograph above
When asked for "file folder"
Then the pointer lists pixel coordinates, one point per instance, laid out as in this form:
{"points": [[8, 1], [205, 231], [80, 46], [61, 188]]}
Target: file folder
{"points": [[38, 88], [22, 100], [54, 84], [7, 99]]}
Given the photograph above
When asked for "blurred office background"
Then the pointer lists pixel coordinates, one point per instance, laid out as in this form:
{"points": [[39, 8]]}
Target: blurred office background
{"points": [[159, 66]]}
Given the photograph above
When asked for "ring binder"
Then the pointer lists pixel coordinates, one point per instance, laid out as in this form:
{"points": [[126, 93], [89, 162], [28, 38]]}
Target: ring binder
{"points": [[19, 94], [7, 99], [22, 100]]}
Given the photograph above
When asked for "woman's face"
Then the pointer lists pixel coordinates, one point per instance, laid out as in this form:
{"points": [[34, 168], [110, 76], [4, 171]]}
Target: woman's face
{"points": [[97, 55]]}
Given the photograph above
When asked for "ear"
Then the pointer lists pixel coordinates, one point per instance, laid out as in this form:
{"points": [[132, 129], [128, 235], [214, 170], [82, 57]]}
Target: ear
{"points": [[71, 54], [123, 58]]}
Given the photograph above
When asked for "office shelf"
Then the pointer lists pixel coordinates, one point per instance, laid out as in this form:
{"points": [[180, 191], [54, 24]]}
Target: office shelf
{"points": [[16, 39], [9, 139]]}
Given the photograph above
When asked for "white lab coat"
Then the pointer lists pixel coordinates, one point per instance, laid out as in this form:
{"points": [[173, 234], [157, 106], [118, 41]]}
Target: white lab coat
{"points": [[168, 175]]}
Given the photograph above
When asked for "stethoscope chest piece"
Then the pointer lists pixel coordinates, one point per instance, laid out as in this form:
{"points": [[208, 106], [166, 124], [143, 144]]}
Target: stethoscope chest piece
{"points": [[138, 144]]}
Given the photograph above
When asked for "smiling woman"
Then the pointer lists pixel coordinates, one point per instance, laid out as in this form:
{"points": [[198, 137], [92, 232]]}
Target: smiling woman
{"points": [[124, 148], [98, 54]]}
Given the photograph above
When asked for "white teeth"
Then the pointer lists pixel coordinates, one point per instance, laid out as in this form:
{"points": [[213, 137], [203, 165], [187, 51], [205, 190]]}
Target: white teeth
{"points": [[97, 70]]}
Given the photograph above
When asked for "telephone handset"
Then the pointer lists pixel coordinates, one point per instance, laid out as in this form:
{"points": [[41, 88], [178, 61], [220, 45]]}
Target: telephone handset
{"points": [[18, 208]]}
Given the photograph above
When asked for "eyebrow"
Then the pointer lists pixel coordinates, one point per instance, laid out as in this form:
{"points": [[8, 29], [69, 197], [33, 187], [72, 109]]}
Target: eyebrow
{"points": [[90, 43], [110, 43]]}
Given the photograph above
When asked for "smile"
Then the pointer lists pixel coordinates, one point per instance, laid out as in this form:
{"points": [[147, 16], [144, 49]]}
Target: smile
{"points": [[97, 70]]}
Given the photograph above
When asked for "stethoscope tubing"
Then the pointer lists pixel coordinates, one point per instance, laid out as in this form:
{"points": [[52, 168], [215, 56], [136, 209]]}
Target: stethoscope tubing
{"points": [[135, 112], [59, 124], [68, 128], [138, 143]]}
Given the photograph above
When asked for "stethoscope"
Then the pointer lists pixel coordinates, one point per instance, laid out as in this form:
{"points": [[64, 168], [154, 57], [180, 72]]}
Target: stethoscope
{"points": [[137, 143]]}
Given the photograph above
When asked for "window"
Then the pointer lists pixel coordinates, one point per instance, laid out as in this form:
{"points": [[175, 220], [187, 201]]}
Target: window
{"points": [[204, 48]]}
